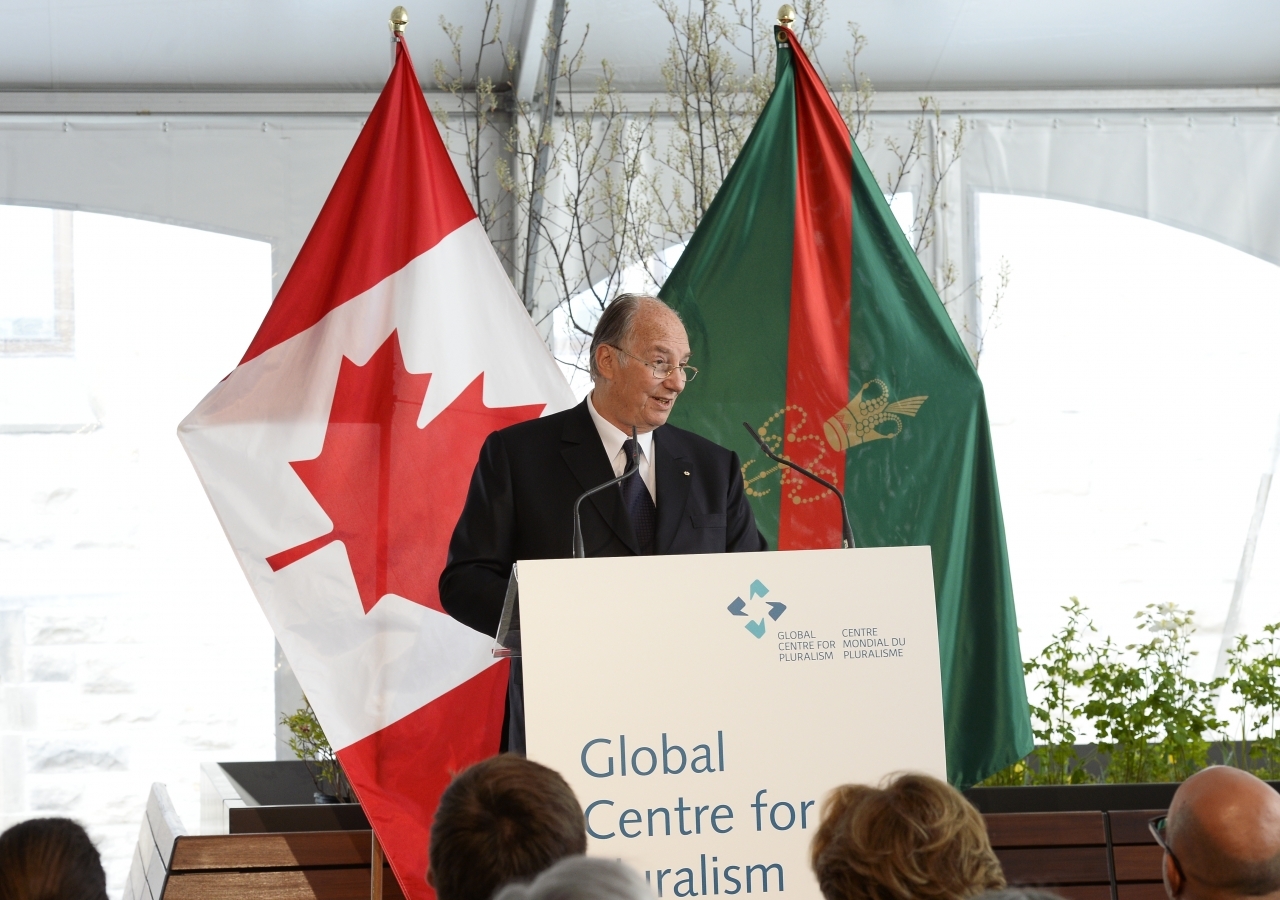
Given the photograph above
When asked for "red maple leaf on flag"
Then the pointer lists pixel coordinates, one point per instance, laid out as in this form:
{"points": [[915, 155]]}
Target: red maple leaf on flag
{"points": [[393, 490]]}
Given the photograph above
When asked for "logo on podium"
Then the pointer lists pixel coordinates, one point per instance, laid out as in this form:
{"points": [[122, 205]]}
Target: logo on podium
{"points": [[758, 592]]}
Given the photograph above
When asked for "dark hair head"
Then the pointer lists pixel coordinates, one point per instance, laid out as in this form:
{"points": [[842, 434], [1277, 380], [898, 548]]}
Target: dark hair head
{"points": [[616, 322], [917, 838], [502, 820], [50, 859]]}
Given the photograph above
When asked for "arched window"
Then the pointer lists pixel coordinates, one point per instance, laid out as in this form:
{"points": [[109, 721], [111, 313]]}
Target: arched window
{"points": [[131, 648], [1133, 382]]}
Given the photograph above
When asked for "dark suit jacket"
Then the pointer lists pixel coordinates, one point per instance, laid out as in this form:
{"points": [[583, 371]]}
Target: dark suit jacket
{"points": [[520, 506]]}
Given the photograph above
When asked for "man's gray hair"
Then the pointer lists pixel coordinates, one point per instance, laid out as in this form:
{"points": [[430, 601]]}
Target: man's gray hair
{"points": [[581, 878], [617, 321]]}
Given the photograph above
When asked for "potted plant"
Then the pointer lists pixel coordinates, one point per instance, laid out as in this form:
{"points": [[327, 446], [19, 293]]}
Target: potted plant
{"points": [[1154, 723], [309, 744]]}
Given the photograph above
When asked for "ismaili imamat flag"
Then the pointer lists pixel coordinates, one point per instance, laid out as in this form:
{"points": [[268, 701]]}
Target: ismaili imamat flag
{"points": [[337, 457], [814, 321]]}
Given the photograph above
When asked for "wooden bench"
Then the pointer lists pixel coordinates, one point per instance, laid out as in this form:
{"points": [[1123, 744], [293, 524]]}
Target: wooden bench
{"points": [[160, 828], [1080, 855], [311, 865], [1065, 852], [1137, 855]]}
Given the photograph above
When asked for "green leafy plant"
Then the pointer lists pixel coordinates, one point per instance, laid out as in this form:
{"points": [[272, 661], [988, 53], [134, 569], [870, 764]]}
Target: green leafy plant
{"points": [[1152, 718], [1061, 667], [309, 744], [1016, 775], [1254, 671]]}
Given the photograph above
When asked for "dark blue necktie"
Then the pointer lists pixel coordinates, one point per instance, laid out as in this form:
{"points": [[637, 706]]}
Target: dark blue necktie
{"points": [[644, 515]]}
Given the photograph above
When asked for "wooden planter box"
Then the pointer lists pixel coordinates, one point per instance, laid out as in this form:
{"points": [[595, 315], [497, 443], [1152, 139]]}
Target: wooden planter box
{"points": [[1086, 841]]}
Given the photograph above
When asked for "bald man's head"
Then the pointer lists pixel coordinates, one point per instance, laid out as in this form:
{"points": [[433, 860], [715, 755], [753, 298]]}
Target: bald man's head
{"points": [[1224, 828]]}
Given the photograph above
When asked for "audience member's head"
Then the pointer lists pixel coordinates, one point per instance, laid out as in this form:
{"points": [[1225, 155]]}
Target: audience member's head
{"points": [[50, 859], [580, 878], [1222, 838], [917, 838], [502, 820]]}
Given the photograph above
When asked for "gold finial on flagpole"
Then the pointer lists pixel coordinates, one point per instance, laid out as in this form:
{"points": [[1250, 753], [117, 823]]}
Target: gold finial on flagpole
{"points": [[399, 19], [786, 15]]}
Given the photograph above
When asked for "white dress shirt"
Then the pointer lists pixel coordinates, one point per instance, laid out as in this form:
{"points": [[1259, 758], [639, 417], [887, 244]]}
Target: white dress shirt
{"points": [[613, 439]]}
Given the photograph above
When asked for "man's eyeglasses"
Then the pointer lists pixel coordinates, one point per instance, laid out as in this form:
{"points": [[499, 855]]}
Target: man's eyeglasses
{"points": [[662, 371], [1158, 828]]}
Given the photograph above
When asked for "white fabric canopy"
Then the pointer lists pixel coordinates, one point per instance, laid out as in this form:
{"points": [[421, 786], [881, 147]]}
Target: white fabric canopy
{"points": [[939, 45], [1216, 174], [252, 177], [1212, 172]]}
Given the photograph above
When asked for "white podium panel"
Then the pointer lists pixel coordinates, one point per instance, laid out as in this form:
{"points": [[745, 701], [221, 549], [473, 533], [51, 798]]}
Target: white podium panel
{"points": [[703, 706]]}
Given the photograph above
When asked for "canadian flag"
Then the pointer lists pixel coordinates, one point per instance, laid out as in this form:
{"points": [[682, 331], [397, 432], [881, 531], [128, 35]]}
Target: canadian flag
{"points": [[337, 457]]}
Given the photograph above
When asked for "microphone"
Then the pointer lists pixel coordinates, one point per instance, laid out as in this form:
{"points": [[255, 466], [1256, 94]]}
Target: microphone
{"points": [[844, 510], [579, 551]]}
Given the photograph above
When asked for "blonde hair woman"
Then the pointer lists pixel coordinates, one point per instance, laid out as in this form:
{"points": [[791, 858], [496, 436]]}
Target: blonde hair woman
{"points": [[916, 838]]}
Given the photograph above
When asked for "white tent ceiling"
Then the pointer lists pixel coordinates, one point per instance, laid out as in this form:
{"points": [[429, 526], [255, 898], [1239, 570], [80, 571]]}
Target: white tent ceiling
{"points": [[914, 44]]}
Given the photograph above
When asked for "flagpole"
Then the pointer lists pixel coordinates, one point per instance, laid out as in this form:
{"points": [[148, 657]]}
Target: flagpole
{"points": [[397, 23], [786, 19], [375, 869]]}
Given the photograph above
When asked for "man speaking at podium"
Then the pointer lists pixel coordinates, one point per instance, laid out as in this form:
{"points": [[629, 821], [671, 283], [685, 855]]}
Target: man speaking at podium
{"points": [[686, 497]]}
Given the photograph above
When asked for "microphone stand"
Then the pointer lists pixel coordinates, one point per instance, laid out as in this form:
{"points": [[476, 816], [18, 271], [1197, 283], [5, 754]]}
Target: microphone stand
{"points": [[579, 551], [844, 510]]}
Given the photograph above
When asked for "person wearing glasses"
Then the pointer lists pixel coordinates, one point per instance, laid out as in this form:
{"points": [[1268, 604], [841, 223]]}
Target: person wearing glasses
{"points": [[686, 495], [1221, 838]]}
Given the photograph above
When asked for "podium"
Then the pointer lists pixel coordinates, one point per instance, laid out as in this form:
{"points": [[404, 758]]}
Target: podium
{"points": [[702, 707]]}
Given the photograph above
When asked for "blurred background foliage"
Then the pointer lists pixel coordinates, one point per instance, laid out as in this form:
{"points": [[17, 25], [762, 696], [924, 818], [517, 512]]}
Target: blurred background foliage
{"points": [[1150, 719]]}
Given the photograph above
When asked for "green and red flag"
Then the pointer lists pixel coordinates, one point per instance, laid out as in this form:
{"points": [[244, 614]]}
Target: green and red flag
{"points": [[813, 320]]}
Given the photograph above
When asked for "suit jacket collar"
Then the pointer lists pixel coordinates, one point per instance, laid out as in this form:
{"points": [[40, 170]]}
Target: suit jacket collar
{"points": [[672, 480], [584, 453]]}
